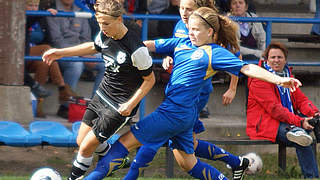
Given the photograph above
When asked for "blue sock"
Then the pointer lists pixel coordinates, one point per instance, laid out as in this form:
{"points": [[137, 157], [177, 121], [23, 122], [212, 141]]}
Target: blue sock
{"points": [[109, 162], [144, 156], [205, 171], [212, 152]]}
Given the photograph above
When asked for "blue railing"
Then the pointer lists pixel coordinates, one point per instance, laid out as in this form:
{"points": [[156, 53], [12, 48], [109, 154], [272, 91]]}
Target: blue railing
{"points": [[155, 61], [144, 35], [146, 18]]}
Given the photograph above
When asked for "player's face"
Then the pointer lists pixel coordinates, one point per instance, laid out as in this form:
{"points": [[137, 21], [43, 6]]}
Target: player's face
{"points": [[186, 9], [238, 7], [276, 60], [109, 25], [199, 34], [32, 6]]}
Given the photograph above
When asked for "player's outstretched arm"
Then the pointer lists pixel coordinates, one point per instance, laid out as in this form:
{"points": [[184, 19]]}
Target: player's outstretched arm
{"points": [[150, 44], [79, 50], [255, 71]]}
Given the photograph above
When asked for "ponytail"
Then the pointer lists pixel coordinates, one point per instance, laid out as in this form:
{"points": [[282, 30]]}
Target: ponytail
{"points": [[227, 34]]}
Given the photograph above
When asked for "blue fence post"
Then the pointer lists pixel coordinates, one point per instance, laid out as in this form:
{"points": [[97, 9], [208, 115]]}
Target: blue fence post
{"points": [[268, 33], [144, 37]]}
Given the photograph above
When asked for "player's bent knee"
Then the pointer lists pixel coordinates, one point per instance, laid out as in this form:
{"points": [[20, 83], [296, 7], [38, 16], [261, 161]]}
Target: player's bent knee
{"points": [[86, 150]]}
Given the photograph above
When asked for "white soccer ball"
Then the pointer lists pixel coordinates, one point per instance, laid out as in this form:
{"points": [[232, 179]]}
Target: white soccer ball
{"points": [[46, 174], [255, 164]]}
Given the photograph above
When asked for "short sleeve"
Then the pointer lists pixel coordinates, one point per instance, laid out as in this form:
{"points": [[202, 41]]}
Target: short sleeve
{"points": [[224, 60], [166, 45], [98, 42], [141, 58]]}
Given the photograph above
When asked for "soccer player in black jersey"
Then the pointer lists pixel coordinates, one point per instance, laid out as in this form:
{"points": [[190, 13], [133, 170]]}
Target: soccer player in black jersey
{"points": [[128, 78]]}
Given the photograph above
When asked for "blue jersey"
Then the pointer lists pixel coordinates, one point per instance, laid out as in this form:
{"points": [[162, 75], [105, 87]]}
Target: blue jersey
{"points": [[180, 30], [194, 65]]}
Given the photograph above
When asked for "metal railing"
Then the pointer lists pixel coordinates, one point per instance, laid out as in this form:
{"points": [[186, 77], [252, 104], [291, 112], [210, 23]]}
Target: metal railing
{"points": [[144, 35]]}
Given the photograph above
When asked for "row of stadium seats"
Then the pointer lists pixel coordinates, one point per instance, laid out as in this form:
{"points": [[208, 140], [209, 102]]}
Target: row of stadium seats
{"points": [[40, 133]]}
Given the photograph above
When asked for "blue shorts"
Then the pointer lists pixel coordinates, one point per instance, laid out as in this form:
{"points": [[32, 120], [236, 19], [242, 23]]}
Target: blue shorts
{"points": [[202, 101], [168, 121]]}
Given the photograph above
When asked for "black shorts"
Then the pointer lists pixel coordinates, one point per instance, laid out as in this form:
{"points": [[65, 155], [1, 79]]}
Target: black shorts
{"points": [[104, 120]]}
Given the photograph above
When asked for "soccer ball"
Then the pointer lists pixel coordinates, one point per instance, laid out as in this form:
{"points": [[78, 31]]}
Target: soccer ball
{"points": [[255, 165], [46, 174]]}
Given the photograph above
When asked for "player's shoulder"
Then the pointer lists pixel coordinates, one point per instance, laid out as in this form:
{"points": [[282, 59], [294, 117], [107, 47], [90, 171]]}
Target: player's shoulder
{"points": [[132, 40]]}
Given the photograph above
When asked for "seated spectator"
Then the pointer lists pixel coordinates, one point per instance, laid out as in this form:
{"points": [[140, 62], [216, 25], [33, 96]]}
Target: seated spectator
{"points": [[165, 28], [252, 35], [65, 32], [35, 37], [272, 112]]}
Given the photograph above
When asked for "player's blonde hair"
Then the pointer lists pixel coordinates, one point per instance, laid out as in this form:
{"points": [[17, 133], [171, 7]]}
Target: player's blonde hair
{"points": [[225, 29], [109, 7]]}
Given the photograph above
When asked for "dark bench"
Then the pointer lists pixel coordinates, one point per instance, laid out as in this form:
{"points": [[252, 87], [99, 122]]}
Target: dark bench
{"points": [[306, 38], [282, 152]]}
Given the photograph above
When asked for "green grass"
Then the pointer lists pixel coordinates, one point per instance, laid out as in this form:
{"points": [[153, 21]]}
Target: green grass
{"points": [[156, 170]]}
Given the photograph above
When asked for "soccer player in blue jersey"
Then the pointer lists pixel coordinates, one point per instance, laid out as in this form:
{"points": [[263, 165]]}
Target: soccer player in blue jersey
{"points": [[195, 60], [202, 148]]}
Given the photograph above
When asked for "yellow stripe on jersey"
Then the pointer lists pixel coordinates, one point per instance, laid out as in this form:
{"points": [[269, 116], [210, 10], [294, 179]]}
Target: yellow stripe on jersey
{"points": [[210, 72], [181, 48], [180, 35]]}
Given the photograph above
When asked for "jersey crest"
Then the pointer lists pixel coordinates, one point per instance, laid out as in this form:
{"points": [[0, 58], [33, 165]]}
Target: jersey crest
{"points": [[197, 54], [121, 57]]}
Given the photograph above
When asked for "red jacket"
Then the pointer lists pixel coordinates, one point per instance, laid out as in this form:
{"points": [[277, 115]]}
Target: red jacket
{"points": [[265, 111]]}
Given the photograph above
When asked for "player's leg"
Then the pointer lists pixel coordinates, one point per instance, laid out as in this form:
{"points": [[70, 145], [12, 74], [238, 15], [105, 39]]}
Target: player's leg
{"points": [[195, 168], [183, 150], [114, 157], [212, 152], [104, 122], [144, 156], [84, 157], [83, 131]]}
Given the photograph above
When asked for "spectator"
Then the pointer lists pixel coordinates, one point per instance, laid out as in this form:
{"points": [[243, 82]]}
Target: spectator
{"points": [[65, 32], [35, 34], [135, 7], [165, 28], [157, 6], [251, 35], [224, 7], [272, 112]]}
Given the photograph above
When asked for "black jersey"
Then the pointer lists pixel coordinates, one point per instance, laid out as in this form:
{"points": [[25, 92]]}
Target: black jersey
{"points": [[126, 61]]}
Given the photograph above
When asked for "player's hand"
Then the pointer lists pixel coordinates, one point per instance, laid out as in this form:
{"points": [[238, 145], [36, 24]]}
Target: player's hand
{"points": [[125, 109], [290, 83], [167, 62], [52, 11], [51, 55], [306, 125], [228, 96]]}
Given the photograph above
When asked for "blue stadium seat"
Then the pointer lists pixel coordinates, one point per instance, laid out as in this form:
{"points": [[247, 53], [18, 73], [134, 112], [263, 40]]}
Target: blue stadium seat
{"points": [[13, 134], [53, 133]]}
